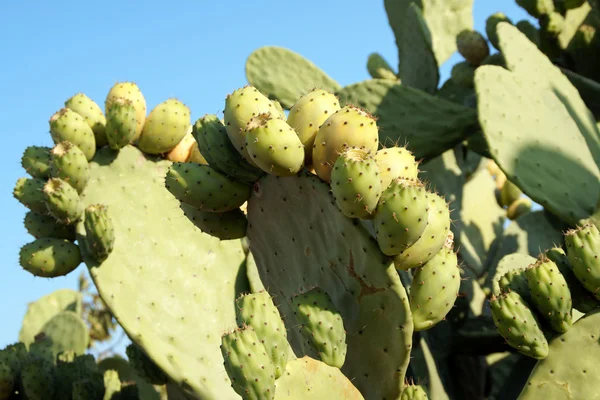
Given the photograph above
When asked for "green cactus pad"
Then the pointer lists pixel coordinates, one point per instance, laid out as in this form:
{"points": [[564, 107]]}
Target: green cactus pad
{"points": [[121, 124], [583, 251], [309, 379], [42, 310], [63, 201], [248, 365], [7, 381], [414, 392], [67, 125], [40, 226], [66, 331], [204, 188], [308, 114], [92, 113], [434, 289], [320, 247], [379, 68], [349, 127], [168, 258], [99, 231], [69, 164], [50, 257], [425, 124], [14, 355], [274, 146], [395, 162], [472, 46], [321, 325], [285, 75], [258, 311], [164, 127], [37, 380], [131, 92], [518, 325], [215, 146], [36, 161], [29, 192], [570, 369], [225, 226], [144, 366]]}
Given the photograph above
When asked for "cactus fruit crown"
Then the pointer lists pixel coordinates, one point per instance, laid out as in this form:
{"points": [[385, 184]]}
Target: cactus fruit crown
{"points": [[259, 121]]}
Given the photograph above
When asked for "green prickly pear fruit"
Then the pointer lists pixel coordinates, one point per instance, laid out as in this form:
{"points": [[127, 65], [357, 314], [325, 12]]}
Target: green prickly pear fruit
{"points": [[248, 365], [515, 281], [583, 251], [463, 74], [394, 163], [537, 8], [67, 125], [40, 226], [164, 128], [583, 301], [37, 379], [50, 257], [490, 27], [258, 311], [436, 233], [196, 156], [99, 231], [7, 381], [144, 366], [92, 113], [379, 68], [550, 294], [36, 161], [112, 384], [240, 107], [279, 108], [349, 127], [401, 216], [204, 188], [496, 59], [518, 208], [215, 146], [14, 355], [413, 392], [90, 388], [63, 201], [131, 92], [121, 123], [274, 146], [69, 164], [308, 114], [518, 325], [529, 30], [226, 225], [472, 46], [434, 289], [29, 192], [322, 325], [355, 184]]}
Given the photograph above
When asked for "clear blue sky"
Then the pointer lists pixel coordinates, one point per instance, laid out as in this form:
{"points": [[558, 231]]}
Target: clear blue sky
{"points": [[192, 50]]}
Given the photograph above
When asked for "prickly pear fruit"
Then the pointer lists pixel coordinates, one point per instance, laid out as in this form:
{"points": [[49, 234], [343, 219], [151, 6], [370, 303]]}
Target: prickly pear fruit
{"points": [[226, 225], [401, 216], [274, 146], [50, 257], [40, 226], [37, 379], [131, 92], [69, 164], [7, 381], [258, 311], [463, 74], [550, 294], [472, 46], [349, 127], [518, 325], [279, 108], [121, 123], [536, 8], [322, 325], [529, 30], [196, 156], [490, 28], [99, 231], [240, 107], [29, 193], [307, 115], [63, 201], [215, 146], [90, 388], [394, 163], [204, 188], [413, 392], [355, 184], [183, 151], [379, 68], [248, 365], [433, 238], [14, 355], [92, 113], [144, 366], [434, 289], [515, 281], [67, 125], [509, 194], [164, 128], [583, 301], [36, 161], [519, 208], [583, 251]]}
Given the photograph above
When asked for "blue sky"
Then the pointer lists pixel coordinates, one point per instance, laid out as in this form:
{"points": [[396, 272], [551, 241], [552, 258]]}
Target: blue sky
{"points": [[191, 50]]}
